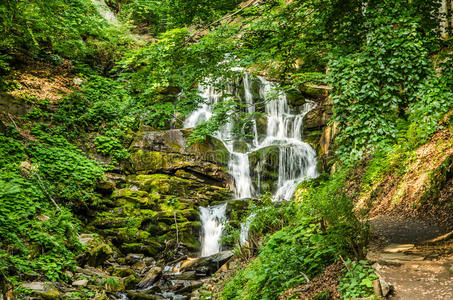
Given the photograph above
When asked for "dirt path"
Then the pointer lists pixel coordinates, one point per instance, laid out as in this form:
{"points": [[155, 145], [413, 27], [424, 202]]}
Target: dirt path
{"points": [[415, 270]]}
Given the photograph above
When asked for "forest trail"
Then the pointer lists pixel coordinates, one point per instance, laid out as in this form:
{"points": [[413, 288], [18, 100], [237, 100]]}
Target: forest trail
{"points": [[414, 269]]}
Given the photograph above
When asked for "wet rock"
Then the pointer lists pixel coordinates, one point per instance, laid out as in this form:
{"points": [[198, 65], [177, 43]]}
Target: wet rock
{"points": [[133, 295], [152, 276], [193, 285], [265, 163], [189, 275], [106, 187], [96, 253], [43, 290], [205, 266], [167, 152], [132, 258]]}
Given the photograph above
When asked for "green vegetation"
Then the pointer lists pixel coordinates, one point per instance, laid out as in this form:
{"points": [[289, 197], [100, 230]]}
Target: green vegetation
{"points": [[357, 281]]}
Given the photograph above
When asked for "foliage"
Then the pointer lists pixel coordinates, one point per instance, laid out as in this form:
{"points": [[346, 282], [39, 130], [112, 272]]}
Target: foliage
{"points": [[373, 87], [433, 102], [38, 238], [326, 198], [169, 14], [60, 29], [285, 256], [66, 173], [357, 282]]}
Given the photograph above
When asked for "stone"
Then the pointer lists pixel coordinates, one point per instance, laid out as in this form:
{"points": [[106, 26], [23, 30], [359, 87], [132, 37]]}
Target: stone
{"points": [[132, 258], [42, 218], [43, 290], [206, 265], [193, 285], [106, 187], [265, 163], [395, 248], [390, 257], [152, 276], [134, 295], [96, 253], [168, 151], [80, 283], [188, 275], [123, 271]]}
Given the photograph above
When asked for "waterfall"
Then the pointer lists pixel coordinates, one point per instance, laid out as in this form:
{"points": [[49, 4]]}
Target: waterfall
{"points": [[212, 222], [296, 159], [105, 11]]}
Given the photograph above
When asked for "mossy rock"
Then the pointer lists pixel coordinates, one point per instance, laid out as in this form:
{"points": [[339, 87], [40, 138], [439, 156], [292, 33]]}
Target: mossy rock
{"points": [[264, 163], [96, 253], [151, 248]]}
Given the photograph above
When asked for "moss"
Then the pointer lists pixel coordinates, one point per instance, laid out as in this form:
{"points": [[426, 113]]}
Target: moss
{"points": [[135, 196], [152, 248], [96, 253]]}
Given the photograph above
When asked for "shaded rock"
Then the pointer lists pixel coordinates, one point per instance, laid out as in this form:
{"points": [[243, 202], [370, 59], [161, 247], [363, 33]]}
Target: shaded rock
{"points": [[14, 106], [132, 258], [189, 275], [265, 163], [106, 187], [193, 285], [96, 253], [134, 295], [152, 276]]}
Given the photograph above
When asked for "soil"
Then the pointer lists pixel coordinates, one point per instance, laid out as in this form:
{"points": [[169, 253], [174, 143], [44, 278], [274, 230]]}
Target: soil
{"points": [[415, 269]]}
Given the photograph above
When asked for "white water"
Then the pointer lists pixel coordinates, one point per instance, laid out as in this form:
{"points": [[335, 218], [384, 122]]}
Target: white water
{"points": [[212, 220], [296, 161], [105, 11]]}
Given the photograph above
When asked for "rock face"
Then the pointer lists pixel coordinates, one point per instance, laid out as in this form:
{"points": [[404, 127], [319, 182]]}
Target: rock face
{"points": [[264, 165], [154, 204], [168, 152], [317, 132], [42, 290]]}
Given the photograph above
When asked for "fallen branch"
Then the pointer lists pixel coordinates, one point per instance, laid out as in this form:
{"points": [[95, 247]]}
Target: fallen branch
{"points": [[441, 238], [47, 193]]}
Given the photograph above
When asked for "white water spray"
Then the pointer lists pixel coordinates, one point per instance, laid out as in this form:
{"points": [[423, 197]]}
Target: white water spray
{"points": [[212, 220]]}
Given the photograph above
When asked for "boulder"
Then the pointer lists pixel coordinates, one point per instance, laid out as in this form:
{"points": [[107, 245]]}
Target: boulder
{"points": [[135, 295], [43, 290], [264, 163], [96, 252], [205, 266], [80, 283], [168, 151], [133, 258], [152, 276]]}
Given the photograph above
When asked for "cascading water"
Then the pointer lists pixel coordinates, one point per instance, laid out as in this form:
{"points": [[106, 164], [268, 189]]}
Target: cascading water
{"points": [[212, 220], [296, 159], [105, 11]]}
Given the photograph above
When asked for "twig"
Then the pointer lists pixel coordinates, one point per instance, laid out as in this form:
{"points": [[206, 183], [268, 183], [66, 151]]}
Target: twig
{"points": [[9, 116], [344, 263], [305, 276], [177, 231], [47, 193]]}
